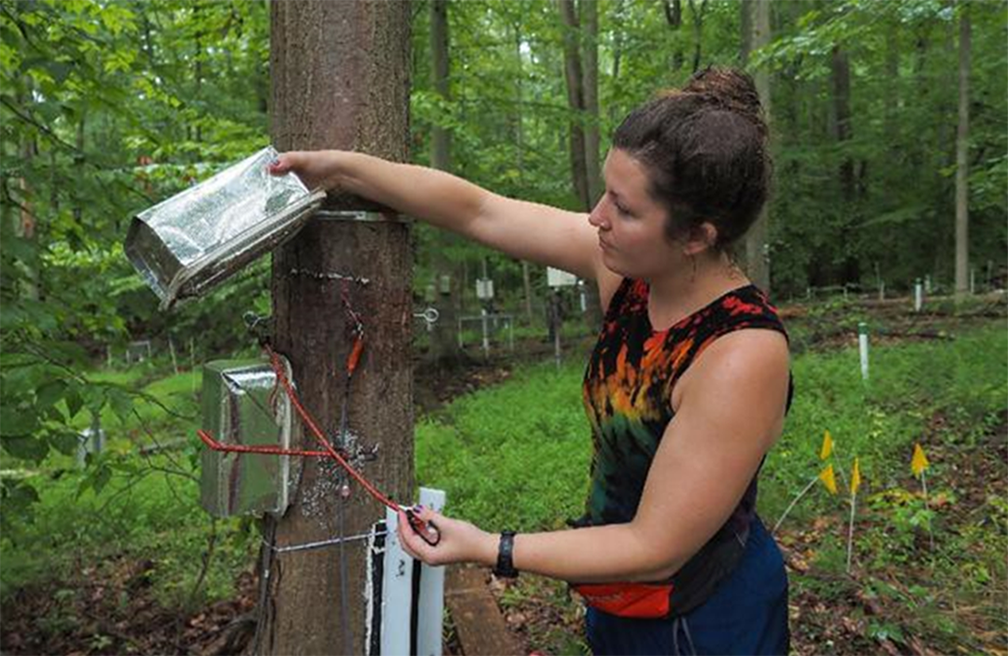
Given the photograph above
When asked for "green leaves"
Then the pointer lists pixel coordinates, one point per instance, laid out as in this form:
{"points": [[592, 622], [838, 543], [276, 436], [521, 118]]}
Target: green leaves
{"points": [[18, 420]]}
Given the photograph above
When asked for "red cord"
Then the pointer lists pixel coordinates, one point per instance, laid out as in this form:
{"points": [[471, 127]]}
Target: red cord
{"points": [[306, 418], [310, 423], [353, 359], [263, 449]]}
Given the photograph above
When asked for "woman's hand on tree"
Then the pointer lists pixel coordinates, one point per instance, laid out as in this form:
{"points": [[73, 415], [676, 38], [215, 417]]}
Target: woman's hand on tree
{"points": [[460, 541]]}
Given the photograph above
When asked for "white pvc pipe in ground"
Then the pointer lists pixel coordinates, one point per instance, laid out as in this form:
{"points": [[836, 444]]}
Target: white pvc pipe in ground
{"points": [[863, 348]]}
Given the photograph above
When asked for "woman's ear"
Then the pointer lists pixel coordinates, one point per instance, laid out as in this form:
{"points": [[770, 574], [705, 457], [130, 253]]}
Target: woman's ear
{"points": [[702, 238]]}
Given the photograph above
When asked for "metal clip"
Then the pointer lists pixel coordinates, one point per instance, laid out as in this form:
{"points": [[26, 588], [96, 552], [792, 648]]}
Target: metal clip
{"points": [[430, 315], [258, 326]]}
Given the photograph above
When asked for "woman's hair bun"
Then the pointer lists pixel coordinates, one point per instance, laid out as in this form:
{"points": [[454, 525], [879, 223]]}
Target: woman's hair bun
{"points": [[730, 88]]}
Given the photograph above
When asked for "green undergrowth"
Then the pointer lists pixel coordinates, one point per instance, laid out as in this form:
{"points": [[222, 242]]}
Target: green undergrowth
{"points": [[126, 506], [512, 455], [141, 514], [518, 453], [958, 385]]}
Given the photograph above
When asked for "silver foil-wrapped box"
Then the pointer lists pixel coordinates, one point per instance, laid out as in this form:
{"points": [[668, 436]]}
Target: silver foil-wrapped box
{"points": [[186, 244], [243, 405]]}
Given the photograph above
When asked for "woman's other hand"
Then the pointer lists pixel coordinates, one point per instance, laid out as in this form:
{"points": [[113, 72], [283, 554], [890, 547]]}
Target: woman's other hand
{"points": [[460, 541], [318, 169]]}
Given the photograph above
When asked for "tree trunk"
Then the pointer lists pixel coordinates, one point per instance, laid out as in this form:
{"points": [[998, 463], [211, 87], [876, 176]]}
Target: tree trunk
{"points": [[198, 62], [27, 223], [840, 75], [440, 137], [962, 158], [78, 211], [575, 100], [444, 340], [589, 19], [673, 17], [617, 47], [757, 243], [698, 18], [340, 78], [520, 155]]}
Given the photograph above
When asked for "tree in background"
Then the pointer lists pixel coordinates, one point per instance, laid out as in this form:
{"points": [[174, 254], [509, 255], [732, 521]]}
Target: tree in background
{"points": [[962, 159], [581, 74], [756, 35], [444, 349]]}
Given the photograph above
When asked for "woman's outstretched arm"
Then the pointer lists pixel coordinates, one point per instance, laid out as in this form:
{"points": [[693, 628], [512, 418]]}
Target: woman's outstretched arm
{"points": [[529, 231]]}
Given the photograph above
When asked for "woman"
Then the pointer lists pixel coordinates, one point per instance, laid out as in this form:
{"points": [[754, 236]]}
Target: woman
{"points": [[686, 389]]}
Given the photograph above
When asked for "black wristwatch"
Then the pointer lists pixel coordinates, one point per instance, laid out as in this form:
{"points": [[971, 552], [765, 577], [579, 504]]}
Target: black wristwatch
{"points": [[505, 565]]}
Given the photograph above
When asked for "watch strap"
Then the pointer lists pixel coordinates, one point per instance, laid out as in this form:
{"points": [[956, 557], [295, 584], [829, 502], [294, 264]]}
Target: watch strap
{"points": [[505, 556]]}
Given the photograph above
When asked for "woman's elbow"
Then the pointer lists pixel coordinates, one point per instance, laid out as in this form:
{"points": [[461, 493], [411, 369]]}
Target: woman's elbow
{"points": [[657, 571], [654, 562]]}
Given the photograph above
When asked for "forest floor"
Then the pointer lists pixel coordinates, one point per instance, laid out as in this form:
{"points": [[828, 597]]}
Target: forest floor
{"points": [[119, 613]]}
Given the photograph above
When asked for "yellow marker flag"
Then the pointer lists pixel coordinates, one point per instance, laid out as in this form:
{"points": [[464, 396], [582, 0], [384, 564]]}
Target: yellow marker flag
{"points": [[855, 478], [827, 445], [919, 462], [826, 476]]}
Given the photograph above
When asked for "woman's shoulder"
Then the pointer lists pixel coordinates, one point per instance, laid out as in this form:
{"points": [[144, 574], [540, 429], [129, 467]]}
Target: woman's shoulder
{"points": [[744, 308], [750, 363]]}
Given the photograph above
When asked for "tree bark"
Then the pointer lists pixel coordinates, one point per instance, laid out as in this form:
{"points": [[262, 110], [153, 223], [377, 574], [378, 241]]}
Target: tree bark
{"points": [[575, 100], [962, 159], [340, 78], [757, 242]]}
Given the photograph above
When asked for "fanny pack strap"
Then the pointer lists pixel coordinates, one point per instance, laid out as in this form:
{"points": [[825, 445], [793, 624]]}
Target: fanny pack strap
{"points": [[641, 600]]}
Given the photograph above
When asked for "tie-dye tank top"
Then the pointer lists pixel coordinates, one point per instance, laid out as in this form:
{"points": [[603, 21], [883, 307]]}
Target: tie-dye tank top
{"points": [[628, 398]]}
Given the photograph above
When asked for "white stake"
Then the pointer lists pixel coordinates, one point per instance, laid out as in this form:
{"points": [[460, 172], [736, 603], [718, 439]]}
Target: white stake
{"points": [[927, 507], [918, 296], [792, 504], [850, 532], [486, 336], [863, 348], [171, 349]]}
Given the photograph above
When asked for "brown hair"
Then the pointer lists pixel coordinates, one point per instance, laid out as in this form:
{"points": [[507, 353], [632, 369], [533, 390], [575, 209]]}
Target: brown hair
{"points": [[705, 150]]}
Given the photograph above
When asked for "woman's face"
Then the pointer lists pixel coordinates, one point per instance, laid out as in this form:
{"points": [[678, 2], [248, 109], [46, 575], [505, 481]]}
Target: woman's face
{"points": [[630, 223]]}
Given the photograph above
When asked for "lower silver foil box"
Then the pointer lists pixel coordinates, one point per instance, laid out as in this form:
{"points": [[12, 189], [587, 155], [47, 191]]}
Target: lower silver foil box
{"points": [[242, 404]]}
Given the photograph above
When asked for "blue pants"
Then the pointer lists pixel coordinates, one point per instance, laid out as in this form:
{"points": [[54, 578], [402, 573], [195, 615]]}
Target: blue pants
{"points": [[748, 614]]}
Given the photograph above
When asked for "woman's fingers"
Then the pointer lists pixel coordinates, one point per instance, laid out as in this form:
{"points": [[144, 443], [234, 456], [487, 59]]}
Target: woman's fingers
{"points": [[410, 541], [284, 163]]}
